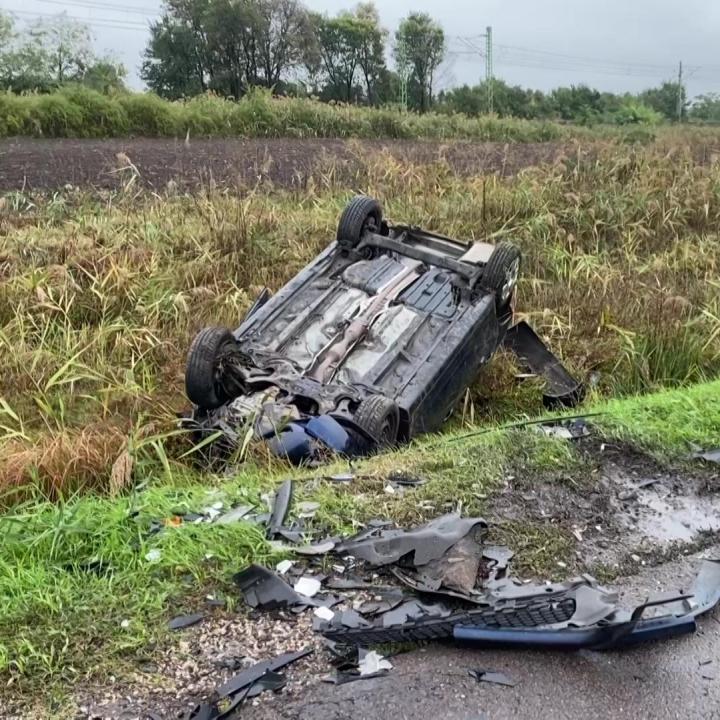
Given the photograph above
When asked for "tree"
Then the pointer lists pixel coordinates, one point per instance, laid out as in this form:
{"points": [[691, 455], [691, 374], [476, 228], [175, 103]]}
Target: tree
{"points": [[664, 99], [44, 55], [105, 76], [419, 49], [371, 50], [577, 103], [339, 41], [225, 45], [283, 37], [706, 108], [67, 45]]}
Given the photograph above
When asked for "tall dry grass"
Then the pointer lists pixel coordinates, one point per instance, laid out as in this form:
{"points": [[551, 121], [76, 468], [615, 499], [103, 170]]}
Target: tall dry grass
{"points": [[101, 294]]}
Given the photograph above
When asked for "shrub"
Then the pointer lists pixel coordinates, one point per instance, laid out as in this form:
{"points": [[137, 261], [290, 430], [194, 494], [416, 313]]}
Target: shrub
{"points": [[101, 115], [149, 115]]}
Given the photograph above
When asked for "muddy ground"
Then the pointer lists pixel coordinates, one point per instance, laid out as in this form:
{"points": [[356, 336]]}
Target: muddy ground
{"points": [[36, 164], [641, 527]]}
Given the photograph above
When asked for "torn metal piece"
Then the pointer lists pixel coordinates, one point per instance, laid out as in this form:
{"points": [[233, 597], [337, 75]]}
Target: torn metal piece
{"points": [[490, 676], [281, 505], [561, 389], [382, 547], [253, 674], [183, 621], [263, 589]]}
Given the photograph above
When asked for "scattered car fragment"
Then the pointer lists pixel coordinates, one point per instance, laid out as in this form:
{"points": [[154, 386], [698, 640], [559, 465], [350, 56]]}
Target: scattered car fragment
{"points": [[184, 621], [711, 456], [369, 345], [491, 676], [561, 389]]}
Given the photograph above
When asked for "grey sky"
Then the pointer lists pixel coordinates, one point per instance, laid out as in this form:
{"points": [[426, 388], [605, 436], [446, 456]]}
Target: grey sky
{"points": [[614, 45]]}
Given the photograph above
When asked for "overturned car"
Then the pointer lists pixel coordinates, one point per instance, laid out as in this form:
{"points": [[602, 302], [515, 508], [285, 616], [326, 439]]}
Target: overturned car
{"points": [[369, 345]]}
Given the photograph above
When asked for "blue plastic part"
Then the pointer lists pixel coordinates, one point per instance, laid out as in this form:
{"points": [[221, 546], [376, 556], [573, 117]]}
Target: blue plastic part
{"points": [[330, 432], [293, 443], [599, 637]]}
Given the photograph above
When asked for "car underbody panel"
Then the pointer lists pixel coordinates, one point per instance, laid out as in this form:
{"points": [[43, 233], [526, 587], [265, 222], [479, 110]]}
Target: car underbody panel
{"points": [[370, 344]]}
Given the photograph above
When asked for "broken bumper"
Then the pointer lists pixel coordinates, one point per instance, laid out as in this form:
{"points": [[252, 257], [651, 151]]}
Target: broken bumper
{"points": [[304, 440]]}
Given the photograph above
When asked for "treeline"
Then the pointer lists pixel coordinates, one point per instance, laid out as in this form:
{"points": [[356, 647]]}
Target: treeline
{"points": [[230, 46], [51, 52]]}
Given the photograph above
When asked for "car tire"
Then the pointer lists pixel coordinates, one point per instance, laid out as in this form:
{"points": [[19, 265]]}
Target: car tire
{"points": [[201, 382], [501, 274], [379, 417], [360, 214]]}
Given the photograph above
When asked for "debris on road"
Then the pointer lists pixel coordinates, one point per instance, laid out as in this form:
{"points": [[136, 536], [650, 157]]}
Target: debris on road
{"points": [[263, 589], [490, 676], [371, 663], [307, 586]]}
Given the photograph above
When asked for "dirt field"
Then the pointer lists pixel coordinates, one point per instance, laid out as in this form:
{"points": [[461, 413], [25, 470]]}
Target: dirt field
{"points": [[32, 164]]}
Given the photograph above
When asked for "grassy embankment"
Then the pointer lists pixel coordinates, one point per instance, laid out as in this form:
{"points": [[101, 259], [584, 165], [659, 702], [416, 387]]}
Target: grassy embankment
{"points": [[101, 295]]}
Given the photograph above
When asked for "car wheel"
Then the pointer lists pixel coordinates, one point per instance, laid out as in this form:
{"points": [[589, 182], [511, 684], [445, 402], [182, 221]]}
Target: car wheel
{"points": [[201, 371], [362, 213], [379, 417], [500, 275]]}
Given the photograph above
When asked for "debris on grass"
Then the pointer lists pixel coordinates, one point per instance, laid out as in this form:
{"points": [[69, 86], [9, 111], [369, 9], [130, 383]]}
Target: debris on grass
{"points": [[184, 621]]}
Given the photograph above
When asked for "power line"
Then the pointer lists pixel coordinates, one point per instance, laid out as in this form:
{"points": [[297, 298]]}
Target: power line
{"points": [[115, 24], [111, 7]]}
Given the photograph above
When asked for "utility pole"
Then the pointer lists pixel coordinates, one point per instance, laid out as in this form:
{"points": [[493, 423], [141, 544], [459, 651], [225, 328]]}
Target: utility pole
{"points": [[404, 73], [489, 68], [680, 94]]}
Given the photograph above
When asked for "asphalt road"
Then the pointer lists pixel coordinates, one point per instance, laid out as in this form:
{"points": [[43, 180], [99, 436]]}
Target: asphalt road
{"points": [[676, 679]]}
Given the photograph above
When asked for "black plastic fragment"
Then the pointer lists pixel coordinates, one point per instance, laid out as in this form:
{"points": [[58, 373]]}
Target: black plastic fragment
{"points": [[281, 505], [183, 621], [253, 674], [343, 677], [561, 389], [490, 676], [263, 589]]}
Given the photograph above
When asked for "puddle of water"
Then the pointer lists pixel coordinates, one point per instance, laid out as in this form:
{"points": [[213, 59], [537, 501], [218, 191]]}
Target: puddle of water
{"points": [[676, 517]]}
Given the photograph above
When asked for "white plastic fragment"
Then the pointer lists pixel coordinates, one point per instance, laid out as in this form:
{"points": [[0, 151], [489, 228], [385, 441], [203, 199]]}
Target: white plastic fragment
{"points": [[324, 613], [307, 586], [125, 624], [153, 555], [283, 566], [372, 663]]}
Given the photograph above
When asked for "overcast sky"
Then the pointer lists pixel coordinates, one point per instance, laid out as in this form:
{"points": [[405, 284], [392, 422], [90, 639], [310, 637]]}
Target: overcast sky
{"points": [[617, 45]]}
